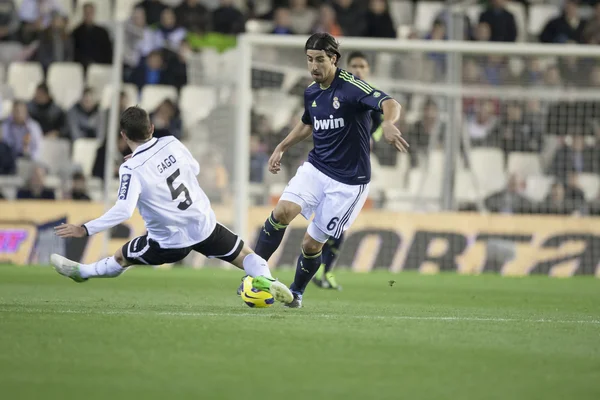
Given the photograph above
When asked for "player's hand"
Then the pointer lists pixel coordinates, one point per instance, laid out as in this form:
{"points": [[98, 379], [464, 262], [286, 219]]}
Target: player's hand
{"points": [[69, 230], [275, 161], [393, 136]]}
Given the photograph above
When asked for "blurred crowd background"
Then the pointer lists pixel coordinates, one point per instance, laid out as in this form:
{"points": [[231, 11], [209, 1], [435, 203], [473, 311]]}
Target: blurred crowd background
{"points": [[541, 155]]}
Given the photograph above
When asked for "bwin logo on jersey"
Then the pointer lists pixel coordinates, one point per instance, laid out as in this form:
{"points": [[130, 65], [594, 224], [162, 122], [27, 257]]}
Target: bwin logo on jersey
{"points": [[331, 123], [124, 188]]}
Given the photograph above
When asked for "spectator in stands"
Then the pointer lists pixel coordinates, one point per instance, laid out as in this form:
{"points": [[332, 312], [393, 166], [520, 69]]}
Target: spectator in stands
{"points": [[167, 120], [168, 35], [192, 15], [552, 77], [36, 16], [92, 43], [175, 64], [122, 151], [509, 200], [574, 196], [84, 117], [578, 158], [479, 127], [9, 20], [516, 132], [55, 43], [501, 21], [351, 15], [533, 73], [483, 32], [8, 158], [328, 22], [48, 114], [282, 22], [495, 71], [151, 71], [591, 29], [258, 159], [555, 201], [36, 187], [227, 19], [302, 17], [153, 9], [427, 133], [379, 20], [79, 188], [138, 41], [566, 28], [22, 133]]}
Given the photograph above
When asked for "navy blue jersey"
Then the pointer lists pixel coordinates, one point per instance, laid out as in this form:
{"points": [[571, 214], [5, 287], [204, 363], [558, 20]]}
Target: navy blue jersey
{"points": [[341, 119]]}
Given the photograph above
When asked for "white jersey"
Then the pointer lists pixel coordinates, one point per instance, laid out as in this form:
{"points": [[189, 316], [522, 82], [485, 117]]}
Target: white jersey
{"points": [[160, 179]]}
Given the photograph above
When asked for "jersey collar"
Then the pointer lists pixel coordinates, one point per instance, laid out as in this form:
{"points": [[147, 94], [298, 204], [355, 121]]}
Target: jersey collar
{"points": [[337, 74], [146, 146]]}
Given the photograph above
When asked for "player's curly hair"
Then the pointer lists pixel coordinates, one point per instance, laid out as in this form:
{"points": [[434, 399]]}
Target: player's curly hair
{"points": [[326, 42], [135, 123]]}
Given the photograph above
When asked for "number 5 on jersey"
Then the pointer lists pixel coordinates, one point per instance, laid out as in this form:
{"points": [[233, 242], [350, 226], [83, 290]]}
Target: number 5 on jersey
{"points": [[176, 191]]}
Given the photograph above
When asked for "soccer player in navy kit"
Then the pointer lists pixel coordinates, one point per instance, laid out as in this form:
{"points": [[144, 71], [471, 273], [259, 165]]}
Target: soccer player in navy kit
{"points": [[334, 182], [358, 65]]}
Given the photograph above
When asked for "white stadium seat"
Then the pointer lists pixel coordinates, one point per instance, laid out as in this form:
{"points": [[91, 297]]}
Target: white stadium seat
{"points": [[2, 73], [466, 190], [539, 15], [401, 12], [153, 95], [518, 10], [425, 14], [98, 76], [65, 81], [196, 102], [537, 187], [5, 108], [23, 77], [129, 88], [487, 163], [84, 154], [123, 9], [524, 164], [55, 155], [590, 184]]}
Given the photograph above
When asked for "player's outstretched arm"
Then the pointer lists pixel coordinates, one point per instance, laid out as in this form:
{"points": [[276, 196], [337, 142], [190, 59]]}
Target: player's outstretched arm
{"points": [[300, 132], [391, 113]]}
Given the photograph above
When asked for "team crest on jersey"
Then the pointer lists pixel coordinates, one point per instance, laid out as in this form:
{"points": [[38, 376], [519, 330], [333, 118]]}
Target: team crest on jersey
{"points": [[124, 187], [336, 103], [376, 94]]}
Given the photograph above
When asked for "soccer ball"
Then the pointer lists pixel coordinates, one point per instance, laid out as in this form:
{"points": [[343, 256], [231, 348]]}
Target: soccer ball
{"points": [[253, 297]]}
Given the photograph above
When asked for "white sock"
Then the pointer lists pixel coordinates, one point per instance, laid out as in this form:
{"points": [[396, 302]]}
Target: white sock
{"points": [[255, 265], [105, 268]]}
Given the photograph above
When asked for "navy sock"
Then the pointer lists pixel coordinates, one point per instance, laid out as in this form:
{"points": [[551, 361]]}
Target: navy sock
{"points": [[306, 268], [270, 237], [330, 252]]}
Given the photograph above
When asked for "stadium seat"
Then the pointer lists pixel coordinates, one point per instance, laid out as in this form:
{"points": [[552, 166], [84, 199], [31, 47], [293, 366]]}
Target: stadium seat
{"points": [[524, 164], [590, 184], [104, 13], [278, 106], [258, 26], [196, 102], [98, 76], [123, 9], [65, 81], [466, 190], [10, 52], [538, 186], [473, 12], [23, 77], [519, 12], [84, 154], [9, 184], [5, 108], [153, 95], [401, 12], [2, 73], [487, 163], [539, 15], [129, 88], [425, 14], [55, 155]]}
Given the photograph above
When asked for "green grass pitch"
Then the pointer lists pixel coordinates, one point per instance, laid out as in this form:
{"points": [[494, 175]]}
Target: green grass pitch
{"points": [[184, 334]]}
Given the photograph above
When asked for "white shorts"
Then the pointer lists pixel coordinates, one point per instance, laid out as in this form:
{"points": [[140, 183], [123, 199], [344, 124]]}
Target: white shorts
{"points": [[335, 205]]}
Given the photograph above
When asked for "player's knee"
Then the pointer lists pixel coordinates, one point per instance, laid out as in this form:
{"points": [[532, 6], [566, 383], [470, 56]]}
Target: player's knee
{"points": [[310, 245], [285, 212], [120, 258]]}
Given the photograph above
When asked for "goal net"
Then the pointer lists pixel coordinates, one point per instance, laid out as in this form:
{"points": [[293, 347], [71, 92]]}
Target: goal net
{"points": [[500, 128]]}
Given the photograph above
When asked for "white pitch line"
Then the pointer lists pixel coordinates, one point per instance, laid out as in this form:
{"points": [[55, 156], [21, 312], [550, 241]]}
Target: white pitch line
{"points": [[259, 314]]}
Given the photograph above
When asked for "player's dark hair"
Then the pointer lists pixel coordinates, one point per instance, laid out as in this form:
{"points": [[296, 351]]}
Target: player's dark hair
{"points": [[135, 123], [325, 42], [357, 54]]}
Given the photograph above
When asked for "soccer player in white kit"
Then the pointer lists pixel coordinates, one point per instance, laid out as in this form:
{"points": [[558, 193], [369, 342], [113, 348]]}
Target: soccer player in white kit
{"points": [[160, 179]]}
